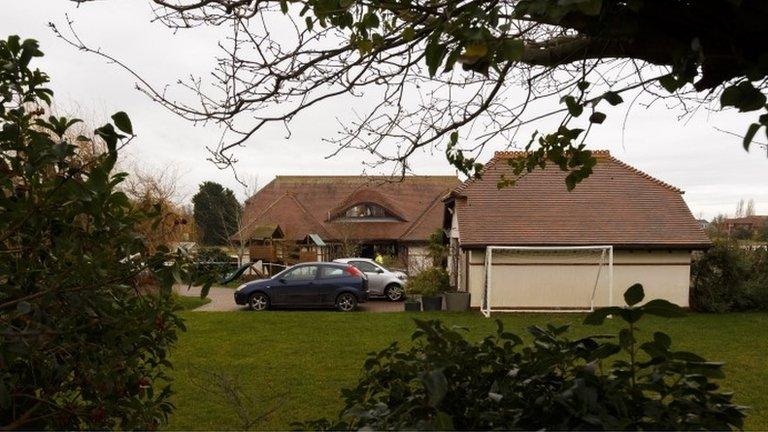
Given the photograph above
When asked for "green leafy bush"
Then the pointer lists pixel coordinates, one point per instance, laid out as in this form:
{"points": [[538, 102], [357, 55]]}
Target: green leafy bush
{"points": [[445, 381], [82, 345], [428, 283], [756, 286], [728, 278]]}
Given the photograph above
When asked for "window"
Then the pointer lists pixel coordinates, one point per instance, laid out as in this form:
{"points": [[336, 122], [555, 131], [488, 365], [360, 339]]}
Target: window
{"points": [[328, 272], [365, 266], [301, 273], [366, 211]]}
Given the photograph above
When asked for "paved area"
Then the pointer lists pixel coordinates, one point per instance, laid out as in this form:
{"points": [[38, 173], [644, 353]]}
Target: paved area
{"points": [[222, 301]]}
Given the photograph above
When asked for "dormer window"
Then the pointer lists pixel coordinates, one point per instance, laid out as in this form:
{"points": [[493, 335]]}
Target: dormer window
{"points": [[366, 211]]}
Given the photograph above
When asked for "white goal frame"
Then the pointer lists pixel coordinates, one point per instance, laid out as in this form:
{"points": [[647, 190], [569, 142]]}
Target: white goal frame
{"points": [[485, 304]]}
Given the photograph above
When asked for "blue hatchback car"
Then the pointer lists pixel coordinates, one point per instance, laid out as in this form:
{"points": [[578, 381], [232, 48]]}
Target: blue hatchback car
{"points": [[317, 284]]}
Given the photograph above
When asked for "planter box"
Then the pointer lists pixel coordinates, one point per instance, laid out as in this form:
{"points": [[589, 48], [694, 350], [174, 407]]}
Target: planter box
{"points": [[412, 306], [432, 303], [457, 301]]}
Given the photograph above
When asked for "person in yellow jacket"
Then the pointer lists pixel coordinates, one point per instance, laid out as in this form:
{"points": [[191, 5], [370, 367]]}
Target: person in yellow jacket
{"points": [[379, 259]]}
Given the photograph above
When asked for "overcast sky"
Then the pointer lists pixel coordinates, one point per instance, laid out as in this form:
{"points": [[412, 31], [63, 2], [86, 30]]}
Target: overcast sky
{"points": [[710, 166]]}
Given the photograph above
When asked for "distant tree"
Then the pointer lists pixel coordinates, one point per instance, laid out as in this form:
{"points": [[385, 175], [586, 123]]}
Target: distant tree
{"points": [[217, 213], [716, 228], [743, 233], [157, 189], [740, 208], [750, 209], [763, 235]]}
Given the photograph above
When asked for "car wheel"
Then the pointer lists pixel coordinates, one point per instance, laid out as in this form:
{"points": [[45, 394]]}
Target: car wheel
{"points": [[394, 292], [346, 302], [258, 301]]}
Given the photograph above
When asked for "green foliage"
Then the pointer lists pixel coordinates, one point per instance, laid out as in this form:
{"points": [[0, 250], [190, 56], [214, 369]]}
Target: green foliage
{"points": [[217, 213], [430, 282], [83, 345], [727, 278], [212, 255], [742, 233], [557, 148], [437, 250], [445, 381]]}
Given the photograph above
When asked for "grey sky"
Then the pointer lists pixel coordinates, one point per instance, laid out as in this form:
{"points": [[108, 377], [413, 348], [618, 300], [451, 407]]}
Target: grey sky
{"points": [[710, 166]]}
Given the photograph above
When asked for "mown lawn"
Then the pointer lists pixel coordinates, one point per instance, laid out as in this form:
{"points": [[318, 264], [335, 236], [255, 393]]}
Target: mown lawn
{"points": [[293, 364], [190, 303]]}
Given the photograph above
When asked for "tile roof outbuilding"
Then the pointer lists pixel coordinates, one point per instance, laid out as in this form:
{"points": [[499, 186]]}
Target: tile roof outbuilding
{"points": [[617, 205]]}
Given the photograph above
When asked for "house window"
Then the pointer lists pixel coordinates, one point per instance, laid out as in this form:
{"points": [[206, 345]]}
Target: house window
{"points": [[366, 211]]}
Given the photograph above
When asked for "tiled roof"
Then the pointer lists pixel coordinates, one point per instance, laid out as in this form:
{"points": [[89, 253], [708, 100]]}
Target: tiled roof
{"points": [[617, 205], [753, 220], [309, 204], [255, 231]]}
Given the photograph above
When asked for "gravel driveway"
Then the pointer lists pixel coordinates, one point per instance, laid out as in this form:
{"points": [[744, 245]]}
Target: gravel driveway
{"points": [[222, 300]]}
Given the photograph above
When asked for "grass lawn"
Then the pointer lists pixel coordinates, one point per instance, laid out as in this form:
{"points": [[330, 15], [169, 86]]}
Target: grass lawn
{"points": [[293, 364], [190, 303]]}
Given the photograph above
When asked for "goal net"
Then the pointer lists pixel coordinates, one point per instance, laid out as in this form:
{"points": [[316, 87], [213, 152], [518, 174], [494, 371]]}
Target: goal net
{"points": [[547, 279]]}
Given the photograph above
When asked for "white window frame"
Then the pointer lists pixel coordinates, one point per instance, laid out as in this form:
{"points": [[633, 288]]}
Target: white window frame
{"points": [[486, 308]]}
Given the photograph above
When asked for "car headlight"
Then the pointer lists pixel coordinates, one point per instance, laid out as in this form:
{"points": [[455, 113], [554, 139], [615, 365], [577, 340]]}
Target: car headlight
{"points": [[401, 276], [241, 287]]}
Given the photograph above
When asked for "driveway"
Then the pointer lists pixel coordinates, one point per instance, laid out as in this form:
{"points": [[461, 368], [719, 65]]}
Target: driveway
{"points": [[222, 300]]}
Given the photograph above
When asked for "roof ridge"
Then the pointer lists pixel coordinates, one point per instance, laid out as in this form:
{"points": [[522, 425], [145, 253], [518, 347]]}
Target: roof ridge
{"points": [[364, 176], [600, 154], [506, 153], [377, 177], [293, 198], [438, 199], [304, 209], [466, 183]]}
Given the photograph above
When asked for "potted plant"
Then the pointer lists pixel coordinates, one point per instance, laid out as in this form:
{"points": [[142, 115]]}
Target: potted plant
{"points": [[412, 303], [456, 301], [429, 284]]}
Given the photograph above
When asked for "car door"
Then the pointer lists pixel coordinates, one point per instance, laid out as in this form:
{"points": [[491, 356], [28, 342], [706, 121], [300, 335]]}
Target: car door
{"points": [[376, 280], [297, 286], [330, 279]]}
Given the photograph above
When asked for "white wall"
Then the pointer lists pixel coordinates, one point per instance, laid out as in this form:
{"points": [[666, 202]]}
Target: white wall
{"points": [[544, 280]]}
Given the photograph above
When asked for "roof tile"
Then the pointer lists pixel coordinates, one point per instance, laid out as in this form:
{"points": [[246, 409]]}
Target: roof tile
{"points": [[314, 199], [618, 204]]}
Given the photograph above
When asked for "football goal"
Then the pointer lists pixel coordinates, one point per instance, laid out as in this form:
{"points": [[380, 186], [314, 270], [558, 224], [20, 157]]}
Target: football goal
{"points": [[547, 278]]}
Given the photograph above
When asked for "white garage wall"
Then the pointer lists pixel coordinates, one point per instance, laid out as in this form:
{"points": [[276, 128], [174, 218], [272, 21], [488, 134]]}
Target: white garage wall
{"points": [[544, 280]]}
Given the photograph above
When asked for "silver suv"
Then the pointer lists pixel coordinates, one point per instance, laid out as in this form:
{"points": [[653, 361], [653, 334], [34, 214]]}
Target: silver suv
{"points": [[381, 281]]}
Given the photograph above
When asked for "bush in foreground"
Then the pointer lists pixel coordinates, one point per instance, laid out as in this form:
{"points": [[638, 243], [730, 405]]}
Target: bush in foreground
{"points": [[82, 345], [598, 382]]}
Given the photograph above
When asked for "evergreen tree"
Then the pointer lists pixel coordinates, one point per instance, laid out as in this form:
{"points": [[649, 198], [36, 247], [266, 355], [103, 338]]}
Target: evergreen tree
{"points": [[216, 213]]}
